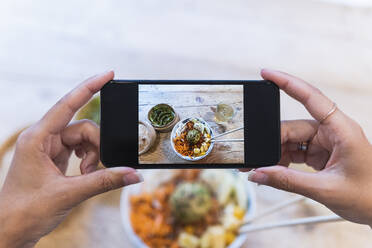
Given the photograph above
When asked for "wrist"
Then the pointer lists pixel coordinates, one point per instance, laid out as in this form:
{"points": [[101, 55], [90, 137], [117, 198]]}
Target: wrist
{"points": [[11, 233], [6, 233]]}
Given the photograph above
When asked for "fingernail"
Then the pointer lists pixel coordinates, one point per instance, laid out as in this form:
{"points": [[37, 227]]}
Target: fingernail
{"points": [[132, 178], [257, 177]]}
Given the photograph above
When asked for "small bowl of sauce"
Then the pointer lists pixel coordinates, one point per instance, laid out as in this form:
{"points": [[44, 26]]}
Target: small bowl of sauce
{"points": [[162, 117]]}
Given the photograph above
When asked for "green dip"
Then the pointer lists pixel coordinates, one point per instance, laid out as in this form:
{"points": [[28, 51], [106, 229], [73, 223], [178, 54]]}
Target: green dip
{"points": [[161, 115]]}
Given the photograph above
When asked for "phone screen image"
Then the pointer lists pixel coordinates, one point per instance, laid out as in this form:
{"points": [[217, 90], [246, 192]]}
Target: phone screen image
{"points": [[174, 124], [189, 121]]}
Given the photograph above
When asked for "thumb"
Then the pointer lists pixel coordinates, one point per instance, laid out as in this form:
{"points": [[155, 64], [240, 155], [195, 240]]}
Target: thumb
{"points": [[100, 181], [284, 178]]}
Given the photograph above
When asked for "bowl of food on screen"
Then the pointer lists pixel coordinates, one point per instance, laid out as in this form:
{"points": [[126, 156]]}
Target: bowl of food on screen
{"points": [[191, 139], [162, 117]]}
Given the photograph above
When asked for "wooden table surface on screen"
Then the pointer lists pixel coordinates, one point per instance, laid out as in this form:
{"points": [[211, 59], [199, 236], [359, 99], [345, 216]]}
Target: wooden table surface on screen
{"points": [[195, 101]]}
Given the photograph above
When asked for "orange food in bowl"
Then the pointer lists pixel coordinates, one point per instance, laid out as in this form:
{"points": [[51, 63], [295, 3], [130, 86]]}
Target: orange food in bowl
{"points": [[152, 219]]}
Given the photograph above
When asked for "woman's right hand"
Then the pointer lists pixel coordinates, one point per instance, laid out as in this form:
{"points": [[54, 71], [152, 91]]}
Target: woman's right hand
{"points": [[37, 195], [337, 149]]}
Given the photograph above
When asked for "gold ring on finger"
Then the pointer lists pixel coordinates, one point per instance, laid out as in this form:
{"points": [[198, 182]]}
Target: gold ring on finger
{"points": [[303, 146], [333, 109]]}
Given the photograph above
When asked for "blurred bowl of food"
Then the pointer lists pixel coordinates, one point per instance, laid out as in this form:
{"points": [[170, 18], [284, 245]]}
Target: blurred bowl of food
{"points": [[187, 209], [191, 139], [162, 117]]}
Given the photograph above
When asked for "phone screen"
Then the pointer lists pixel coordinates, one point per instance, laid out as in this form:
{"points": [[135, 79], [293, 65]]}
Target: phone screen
{"points": [[190, 124], [187, 119]]}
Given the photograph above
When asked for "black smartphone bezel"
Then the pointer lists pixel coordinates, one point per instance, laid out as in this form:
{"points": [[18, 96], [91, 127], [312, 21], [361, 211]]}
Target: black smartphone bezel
{"points": [[131, 109]]}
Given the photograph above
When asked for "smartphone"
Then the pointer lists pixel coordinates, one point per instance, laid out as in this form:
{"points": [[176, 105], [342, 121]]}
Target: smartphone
{"points": [[174, 124]]}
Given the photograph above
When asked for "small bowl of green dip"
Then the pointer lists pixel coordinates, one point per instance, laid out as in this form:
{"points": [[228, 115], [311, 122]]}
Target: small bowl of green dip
{"points": [[162, 117]]}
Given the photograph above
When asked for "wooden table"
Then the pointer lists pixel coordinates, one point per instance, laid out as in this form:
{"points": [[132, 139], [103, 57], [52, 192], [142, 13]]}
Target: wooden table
{"points": [[195, 101]]}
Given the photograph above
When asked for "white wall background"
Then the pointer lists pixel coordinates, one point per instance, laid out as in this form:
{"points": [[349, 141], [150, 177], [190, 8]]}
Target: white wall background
{"points": [[47, 47], [362, 3]]}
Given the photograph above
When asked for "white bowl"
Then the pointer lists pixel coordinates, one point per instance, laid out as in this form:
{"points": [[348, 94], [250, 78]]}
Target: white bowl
{"points": [[138, 188], [177, 130]]}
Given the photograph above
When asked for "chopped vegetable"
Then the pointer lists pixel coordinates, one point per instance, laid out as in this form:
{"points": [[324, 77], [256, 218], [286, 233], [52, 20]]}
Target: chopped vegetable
{"points": [[214, 237], [229, 237], [186, 240], [239, 212]]}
